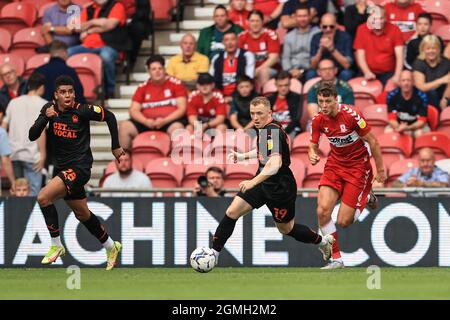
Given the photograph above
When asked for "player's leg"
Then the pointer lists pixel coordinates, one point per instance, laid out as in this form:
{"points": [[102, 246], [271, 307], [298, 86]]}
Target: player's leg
{"points": [[91, 222], [53, 191]]}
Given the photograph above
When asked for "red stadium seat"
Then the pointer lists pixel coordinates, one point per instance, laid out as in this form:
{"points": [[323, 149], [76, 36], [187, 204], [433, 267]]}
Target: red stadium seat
{"points": [[376, 116], [438, 141], [432, 117], [395, 146], [15, 60], [164, 173], [298, 169], [232, 140], [111, 168], [269, 87], [35, 62], [194, 170], [5, 40], [400, 167], [150, 145], [187, 147], [439, 10], [313, 174], [443, 32], [89, 69], [162, 10], [237, 172], [301, 143], [390, 85], [309, 84], [365, 92], [3, 3], [25, 42], [18, 15], [444, 122]]}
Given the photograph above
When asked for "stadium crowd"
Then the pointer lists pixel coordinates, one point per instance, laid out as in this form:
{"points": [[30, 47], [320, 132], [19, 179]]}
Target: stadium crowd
{"points": [[390, 61]]}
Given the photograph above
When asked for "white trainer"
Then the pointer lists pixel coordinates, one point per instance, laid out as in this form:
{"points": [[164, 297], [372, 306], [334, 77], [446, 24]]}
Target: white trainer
{"points": [[326, 248], [334, 264]]}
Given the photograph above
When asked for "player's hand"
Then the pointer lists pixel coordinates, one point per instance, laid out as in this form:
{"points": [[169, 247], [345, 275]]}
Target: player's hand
{"points": [[246, 185], [380, 177], [313, 158], [235, 156], [50, 112], [118, 153]]}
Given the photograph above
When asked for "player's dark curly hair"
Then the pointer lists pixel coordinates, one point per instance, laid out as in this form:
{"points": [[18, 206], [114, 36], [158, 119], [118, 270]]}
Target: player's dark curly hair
{"points": [[64, 80], [326, 89]]}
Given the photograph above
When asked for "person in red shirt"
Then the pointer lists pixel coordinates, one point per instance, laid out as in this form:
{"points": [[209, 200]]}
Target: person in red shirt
{"points": [[207, 106], [271, 10], [264, 44], [379, 48], [348, 172], [237, 13], [103, 32], [404, 13], [158, 104]]}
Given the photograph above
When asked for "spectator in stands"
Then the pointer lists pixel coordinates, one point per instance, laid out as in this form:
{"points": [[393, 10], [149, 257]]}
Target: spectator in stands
{"points": [[327, 71], [22, 188], [331, 44], [427, 175], [271, 9], [407, 108], [210, 41], [188, 64], [207, 106], [355, 15], [158, 104], [28, 157], [317, 9], [403, 13], [264, 44], [240, 118], [286, 105], [57, 26], [56, 67], [126, 178], [227, 66], [13, 86], [238, 14], [423, 26], [379, 48], [103, 32], [5, 154], [432, 72], [212, 186], [139, 25], [297, 44]]}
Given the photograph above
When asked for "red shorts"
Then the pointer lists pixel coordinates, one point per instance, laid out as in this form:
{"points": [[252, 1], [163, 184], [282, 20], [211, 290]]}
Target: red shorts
{"points": [[353, 184]]}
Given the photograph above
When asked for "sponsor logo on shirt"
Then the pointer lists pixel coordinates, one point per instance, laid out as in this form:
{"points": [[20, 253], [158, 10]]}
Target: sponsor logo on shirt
{"points": [[343, 141], [97, 109], [162, 103]]}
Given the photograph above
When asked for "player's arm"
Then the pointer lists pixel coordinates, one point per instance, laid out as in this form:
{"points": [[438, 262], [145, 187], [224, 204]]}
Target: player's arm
{"points": [[111, 121], [313, 149], [39, 125], [271, 168], [236, 156], [376, 153], [313, 153]]}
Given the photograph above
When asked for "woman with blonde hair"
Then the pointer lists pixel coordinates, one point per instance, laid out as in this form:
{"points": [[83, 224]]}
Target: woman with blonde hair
{"points": [[432, 72]]}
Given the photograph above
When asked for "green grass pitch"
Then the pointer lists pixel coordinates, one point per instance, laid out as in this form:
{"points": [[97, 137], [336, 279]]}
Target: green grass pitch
{"points": [[225, 283]]}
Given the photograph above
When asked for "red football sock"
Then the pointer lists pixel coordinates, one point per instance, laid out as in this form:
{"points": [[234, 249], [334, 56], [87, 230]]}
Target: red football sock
{"points": [[336, 252]]}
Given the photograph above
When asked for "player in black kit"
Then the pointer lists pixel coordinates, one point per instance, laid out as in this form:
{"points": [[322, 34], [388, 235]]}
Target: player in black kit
{"points": [[69, 134], [273, 185]]}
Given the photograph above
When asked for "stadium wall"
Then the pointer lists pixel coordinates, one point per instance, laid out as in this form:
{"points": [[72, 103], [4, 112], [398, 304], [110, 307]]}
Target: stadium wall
{"points": [[162, 232]]}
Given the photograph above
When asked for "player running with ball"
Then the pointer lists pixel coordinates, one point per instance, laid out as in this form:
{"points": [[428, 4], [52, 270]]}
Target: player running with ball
{"points": [[274, 184], [348, 172], [70, 137]]}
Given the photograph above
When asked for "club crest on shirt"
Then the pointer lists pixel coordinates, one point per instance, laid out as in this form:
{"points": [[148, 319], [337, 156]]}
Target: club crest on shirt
{"points": [[167, 93], [147, 96], [262, 46], [75, 118], [325, 129], [343, 128]]}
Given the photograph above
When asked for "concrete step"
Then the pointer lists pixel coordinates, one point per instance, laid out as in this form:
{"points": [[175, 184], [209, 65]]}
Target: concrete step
{"points": [[119, 104], [205, 12], [127, 91], [99, 129], [195, 24], [102, 155], [169, 50], [94, 181], [176, 37], [100, 143]]}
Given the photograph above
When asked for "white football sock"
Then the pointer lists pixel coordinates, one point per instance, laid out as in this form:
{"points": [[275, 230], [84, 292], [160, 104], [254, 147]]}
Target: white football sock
{"points": [[56, 241], [108, 244], [328, 228], [357, 214], [216, 253]]}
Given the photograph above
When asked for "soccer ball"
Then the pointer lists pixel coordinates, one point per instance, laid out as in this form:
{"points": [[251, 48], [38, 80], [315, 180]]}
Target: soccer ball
{"points": [[203, 259]]}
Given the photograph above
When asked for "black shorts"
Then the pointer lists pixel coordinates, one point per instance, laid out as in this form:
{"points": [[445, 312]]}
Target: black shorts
{"points": [[141, 128], [75, 179], [279, 198]]}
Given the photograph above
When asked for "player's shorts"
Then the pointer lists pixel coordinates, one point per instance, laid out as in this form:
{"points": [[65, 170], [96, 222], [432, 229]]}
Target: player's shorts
{"points": [[141, 128], [75, 179], [279, 198], [352, 183]]}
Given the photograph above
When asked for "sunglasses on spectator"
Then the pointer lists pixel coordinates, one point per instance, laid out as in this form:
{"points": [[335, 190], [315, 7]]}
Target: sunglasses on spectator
{"points": [[328, 26]]}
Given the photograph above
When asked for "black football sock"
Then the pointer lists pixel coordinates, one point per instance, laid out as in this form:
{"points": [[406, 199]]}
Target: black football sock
{"points": [[304, 234], [51, 220], [96, 228], [223, 232]]}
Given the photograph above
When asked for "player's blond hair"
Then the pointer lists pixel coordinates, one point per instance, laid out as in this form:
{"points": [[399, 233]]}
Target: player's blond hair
{"points": [[260, 100]]}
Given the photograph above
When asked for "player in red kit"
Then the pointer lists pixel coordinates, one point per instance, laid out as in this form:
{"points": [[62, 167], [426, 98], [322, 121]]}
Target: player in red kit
{"points": [[348, 172]]}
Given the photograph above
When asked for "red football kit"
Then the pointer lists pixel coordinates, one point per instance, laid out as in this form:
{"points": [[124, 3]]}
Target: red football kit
{"points": [[206, 111], [348, 168], [266, 43]]}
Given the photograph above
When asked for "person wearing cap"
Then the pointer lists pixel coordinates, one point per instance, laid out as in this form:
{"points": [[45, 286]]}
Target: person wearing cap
{"points": [[206, 106]]}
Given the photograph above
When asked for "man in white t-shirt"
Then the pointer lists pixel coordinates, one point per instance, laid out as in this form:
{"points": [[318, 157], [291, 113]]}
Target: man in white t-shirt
{"points": [[127, 178], [28, 158]]}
